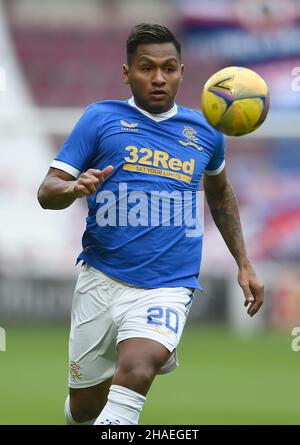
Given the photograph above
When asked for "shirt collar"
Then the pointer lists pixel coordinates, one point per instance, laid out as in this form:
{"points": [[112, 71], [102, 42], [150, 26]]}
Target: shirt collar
{"points": [[156, 117]]}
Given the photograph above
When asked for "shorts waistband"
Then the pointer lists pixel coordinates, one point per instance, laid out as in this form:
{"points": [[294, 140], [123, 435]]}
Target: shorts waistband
{"points": [[86, 266]]}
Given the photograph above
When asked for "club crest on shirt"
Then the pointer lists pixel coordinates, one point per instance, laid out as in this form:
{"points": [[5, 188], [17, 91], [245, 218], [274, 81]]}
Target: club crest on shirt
{"points": [[128, 126], [192, 139]]}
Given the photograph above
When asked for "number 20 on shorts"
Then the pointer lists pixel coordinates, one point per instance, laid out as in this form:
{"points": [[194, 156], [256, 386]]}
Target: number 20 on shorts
{"points": [[163, 317]]}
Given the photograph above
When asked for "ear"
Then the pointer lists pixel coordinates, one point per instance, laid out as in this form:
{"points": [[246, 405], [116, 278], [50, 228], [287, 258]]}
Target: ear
{"points": [[125, 75], [182, 70]]}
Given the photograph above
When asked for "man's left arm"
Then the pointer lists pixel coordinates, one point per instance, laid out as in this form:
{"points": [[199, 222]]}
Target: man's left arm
{"points": [[224, 209]]}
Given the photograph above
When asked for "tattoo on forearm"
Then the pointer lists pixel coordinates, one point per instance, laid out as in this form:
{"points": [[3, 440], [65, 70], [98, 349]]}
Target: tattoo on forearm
{"points": [[225, 212]]}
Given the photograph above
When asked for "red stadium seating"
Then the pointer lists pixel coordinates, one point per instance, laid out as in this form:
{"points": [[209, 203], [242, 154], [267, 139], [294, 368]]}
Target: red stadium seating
{"points": [[74, 67]]}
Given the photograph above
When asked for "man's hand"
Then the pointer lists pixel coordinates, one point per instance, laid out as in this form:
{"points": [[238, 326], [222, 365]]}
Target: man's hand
{"points": [[89, 181], [252, 287]]}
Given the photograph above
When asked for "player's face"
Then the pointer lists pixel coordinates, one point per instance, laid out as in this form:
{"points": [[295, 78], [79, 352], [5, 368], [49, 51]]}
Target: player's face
{"points": [[154, 76]]}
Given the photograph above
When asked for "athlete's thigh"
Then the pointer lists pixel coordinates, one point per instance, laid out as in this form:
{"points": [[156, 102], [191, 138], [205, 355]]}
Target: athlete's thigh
{"points": [[139, 360], [141, 353]]}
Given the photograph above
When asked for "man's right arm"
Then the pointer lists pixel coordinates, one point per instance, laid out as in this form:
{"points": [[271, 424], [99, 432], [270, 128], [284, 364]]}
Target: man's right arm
{"points": [[60, 189]]}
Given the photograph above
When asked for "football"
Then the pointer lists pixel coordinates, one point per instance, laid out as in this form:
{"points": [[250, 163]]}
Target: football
{"points": [[235, 100]]}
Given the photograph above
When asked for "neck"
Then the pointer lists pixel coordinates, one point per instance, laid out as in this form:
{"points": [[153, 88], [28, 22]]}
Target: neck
{"points": [[158, 117], [155, 112]]}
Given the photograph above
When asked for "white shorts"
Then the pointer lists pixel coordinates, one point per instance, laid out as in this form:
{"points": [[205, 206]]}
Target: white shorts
{"points": [[106, 311]]}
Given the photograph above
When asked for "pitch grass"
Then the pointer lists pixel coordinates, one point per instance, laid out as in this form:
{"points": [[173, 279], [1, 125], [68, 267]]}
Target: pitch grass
{"points": [[223, 378]]}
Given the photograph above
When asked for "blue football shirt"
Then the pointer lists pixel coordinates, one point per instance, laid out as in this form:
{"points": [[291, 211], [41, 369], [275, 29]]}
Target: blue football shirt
{"points": [[143, 225]]}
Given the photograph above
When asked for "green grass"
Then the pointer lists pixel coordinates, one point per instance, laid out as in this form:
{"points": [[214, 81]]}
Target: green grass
{"points": [[228, 379], [222, 379]]}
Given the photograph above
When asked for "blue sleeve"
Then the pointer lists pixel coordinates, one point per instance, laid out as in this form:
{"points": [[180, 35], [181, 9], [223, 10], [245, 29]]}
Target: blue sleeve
{"points": [[217, 161], [79, 147]]}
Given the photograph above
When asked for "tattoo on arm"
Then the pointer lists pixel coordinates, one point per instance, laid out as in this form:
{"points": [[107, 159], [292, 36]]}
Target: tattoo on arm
{"points": [[225, 213]]}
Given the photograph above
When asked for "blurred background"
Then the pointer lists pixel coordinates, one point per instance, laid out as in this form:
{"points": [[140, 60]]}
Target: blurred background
{"points": [[57, 56]]}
